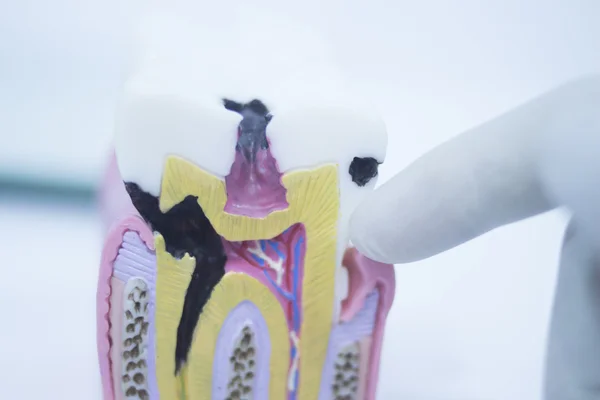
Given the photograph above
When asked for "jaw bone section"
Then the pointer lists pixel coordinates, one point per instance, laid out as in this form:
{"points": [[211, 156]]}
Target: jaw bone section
{"points": [[249, 207]]}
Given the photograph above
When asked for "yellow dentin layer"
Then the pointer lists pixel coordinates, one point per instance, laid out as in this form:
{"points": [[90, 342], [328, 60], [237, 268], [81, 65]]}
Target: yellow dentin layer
{"points": [[313, 198]]}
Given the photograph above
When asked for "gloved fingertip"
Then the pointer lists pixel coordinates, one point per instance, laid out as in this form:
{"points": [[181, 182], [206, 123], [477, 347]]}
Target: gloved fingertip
{"points": [[363, 233]]}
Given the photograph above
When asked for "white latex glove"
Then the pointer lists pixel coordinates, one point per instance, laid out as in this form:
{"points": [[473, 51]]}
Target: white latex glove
{"points": [[539, 156]]}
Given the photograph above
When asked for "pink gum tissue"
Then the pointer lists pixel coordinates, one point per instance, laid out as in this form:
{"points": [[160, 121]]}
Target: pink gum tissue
{"points": [[365, 276]]}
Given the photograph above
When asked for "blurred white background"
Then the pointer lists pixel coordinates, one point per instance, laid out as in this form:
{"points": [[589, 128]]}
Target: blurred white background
{"points": [[469, 324]]}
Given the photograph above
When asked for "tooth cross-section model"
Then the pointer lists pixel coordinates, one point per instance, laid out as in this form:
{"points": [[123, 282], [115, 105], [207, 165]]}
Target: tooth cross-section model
{"points": [[226, 272]]}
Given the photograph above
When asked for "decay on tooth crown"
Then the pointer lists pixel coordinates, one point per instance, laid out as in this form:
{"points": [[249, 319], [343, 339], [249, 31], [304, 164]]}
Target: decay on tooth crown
{"points": [[253, 184], [363, 169]]}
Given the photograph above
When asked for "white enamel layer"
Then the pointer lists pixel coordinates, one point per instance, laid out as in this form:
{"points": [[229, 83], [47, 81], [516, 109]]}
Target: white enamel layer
{"points": [[158, 119], [173, 104], [187, 64]]}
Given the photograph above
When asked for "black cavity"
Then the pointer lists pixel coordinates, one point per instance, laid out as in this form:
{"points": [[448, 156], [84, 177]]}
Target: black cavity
{"points": [[363, 169], [186, 229], [255, 106], [253, 126]]}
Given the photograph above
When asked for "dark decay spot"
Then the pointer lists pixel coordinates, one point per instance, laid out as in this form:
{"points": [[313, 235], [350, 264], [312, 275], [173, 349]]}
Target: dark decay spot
{"points": [[255, 106], [363, 169], [186, 229], [233, 105], [252, 129]]}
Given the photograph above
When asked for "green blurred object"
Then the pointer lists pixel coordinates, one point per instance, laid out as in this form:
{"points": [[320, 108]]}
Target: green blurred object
{"points": [[30, 189]]}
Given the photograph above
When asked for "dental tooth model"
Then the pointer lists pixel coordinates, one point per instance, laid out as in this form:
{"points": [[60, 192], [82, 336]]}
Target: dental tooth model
{"points": [[226, 272]]}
